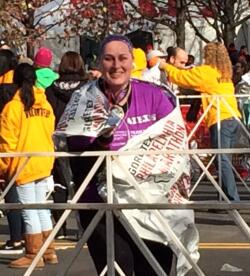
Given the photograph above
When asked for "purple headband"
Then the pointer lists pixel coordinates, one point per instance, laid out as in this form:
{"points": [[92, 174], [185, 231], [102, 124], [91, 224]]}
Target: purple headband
{"points": [[117, 37]]}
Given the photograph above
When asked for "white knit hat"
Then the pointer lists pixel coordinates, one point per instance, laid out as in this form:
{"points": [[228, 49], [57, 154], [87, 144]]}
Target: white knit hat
{"points": [[155, 53]]}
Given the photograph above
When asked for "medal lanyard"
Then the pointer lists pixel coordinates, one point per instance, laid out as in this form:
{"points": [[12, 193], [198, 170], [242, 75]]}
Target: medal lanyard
{"points": [[121, 96], [119, 110]]}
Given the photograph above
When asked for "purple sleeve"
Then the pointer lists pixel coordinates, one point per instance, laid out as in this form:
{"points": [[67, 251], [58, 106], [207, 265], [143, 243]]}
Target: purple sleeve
{"points": [[84, 143], [79, 143], [165, 103]]}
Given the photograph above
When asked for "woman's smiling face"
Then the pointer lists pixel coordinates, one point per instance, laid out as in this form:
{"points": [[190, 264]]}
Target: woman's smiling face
{"points": [[116, 64]]}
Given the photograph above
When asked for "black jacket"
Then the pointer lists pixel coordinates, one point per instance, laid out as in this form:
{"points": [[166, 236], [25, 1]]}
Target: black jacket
{"points": [[58, 95], [7, 91]]}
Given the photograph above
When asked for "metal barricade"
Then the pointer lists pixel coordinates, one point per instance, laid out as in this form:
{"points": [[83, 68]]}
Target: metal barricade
{"points": [[111, 209]]}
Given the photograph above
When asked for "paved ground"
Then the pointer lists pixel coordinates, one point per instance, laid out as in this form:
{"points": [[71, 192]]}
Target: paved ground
{"points": [[82, 266], [222, 246]]}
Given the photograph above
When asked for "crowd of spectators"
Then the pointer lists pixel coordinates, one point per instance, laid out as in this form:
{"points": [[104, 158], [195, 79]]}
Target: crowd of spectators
{"points": [[41, 94]]}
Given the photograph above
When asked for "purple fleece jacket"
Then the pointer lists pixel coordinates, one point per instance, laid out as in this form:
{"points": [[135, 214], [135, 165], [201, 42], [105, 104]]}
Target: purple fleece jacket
{"points": [[148, 103]]}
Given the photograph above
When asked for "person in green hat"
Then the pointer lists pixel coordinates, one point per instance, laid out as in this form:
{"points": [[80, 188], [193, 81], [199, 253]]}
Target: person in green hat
{"points": [[45, 75]]}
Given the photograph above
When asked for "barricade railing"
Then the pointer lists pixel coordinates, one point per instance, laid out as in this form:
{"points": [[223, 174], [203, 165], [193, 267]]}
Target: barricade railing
{"points": [[115, 209], [108, 207], [217, 100]]}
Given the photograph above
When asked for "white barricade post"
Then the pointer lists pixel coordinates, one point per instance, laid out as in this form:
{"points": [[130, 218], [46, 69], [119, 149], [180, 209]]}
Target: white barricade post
{"points": [[153, 179], [165, 177], [221, 99]]}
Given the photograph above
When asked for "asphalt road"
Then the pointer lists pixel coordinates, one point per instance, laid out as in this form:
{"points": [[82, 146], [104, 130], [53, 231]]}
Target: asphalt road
{"points": [[224, 249]]}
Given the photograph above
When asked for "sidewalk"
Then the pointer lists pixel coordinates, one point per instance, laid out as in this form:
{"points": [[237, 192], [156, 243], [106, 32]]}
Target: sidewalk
{"points": [[222, 246], [82, 266]]}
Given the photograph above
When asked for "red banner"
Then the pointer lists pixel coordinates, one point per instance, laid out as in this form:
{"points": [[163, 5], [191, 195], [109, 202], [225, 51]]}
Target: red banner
{"points": [[207, 12], [172, 8], [147, 8], [83, 2], [75, 2], [202, 138], [116, 9], [85, 6]]}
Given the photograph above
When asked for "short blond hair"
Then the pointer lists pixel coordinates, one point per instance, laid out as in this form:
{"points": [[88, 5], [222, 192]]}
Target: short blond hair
{"points": [[216, 55]]}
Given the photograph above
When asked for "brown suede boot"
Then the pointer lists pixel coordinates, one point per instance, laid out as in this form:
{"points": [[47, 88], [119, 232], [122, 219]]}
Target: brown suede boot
{"points": [[33, 243], [49, 256]]}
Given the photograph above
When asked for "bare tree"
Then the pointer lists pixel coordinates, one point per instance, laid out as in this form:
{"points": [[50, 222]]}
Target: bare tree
{"points": [[99, 17], [17, 22], [171, 13], [94, 18], [224, 16]]}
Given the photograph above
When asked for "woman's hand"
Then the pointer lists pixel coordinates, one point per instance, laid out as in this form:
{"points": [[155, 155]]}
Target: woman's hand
{"points": [[162, 64]]}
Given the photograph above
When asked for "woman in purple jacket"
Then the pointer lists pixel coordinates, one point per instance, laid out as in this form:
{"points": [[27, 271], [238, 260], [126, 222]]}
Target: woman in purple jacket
{"points": [[142, 104]]}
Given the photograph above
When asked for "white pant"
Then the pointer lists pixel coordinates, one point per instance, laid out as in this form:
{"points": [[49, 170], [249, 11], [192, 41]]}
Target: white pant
{"points": [[35, 220]]}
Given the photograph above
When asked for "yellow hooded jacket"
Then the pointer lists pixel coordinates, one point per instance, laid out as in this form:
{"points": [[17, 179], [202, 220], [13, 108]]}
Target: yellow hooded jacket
{"points": [[140, 63], [7, 77], [29, 131], [205, 79]]}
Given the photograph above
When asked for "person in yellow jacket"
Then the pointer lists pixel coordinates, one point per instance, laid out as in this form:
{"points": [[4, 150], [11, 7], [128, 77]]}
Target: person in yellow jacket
{"points": [[139, 63], [214, 77], [8, 62], [14, 245], [27, 125]]}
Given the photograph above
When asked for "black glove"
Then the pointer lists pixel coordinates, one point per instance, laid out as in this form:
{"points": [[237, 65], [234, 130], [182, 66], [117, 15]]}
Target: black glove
{"points": [[193, 111]]}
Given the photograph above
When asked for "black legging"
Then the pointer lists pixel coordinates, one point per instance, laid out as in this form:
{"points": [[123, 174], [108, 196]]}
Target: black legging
{"points": [[14, 217], [60, 195], [127, 255]]}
